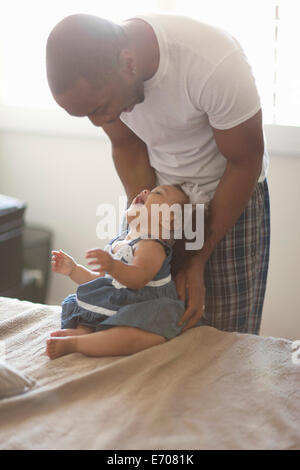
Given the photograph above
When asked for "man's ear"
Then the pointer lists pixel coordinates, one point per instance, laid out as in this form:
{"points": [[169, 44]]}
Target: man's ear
{"points": [[127, 63]]}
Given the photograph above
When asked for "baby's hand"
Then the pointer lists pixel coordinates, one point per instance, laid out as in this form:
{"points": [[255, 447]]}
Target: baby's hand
{"points": [[101, 258], [62, 263]]}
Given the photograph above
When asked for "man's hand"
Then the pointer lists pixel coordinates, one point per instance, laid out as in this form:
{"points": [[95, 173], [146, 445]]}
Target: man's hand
{"points": [[101, 258], [62, 263], [190, 281]]}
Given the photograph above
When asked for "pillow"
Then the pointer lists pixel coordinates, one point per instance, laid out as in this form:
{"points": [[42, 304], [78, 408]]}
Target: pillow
{"points": [[13, 382]]}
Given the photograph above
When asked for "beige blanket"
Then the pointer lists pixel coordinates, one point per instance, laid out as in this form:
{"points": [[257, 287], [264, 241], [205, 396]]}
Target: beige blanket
{"points": [[203, 390]]}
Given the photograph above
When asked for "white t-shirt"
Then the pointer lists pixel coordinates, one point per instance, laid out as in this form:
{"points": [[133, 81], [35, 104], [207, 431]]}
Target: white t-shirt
{"points": [[203, 79]]}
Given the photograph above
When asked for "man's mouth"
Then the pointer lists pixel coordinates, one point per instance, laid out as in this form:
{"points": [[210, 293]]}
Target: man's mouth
{"points": [[128, 108]]}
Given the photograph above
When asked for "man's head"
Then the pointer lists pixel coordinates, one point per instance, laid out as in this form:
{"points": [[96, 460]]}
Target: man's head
{"points": [[91, 69]]}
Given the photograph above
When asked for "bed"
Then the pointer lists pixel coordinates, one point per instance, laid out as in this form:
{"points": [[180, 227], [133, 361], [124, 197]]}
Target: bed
{"points": [[205, 389]]}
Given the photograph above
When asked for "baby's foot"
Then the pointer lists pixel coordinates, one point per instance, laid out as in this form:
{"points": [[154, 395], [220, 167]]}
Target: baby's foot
{"points": [[81, 330], [57, 333], [57, 347]]}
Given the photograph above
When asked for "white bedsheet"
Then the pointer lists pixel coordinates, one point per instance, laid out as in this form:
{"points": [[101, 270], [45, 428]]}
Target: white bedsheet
{"points": [[205, 389]]}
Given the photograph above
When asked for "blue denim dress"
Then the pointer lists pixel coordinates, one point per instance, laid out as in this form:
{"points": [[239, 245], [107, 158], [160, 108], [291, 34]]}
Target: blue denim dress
{"points": [[104, 302]]}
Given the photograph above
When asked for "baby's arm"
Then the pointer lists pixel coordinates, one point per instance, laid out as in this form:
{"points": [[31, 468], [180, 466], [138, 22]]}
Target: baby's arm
{"points": [[80, 275], [65, 264], [147, 261]]}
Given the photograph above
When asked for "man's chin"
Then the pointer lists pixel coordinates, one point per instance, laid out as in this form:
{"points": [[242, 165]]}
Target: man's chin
{"points": [[128, 109]]}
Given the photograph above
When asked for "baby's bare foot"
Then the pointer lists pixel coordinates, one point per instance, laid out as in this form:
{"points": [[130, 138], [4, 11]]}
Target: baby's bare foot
{"points": [[81, 330], [57, 347], [63, 333]]}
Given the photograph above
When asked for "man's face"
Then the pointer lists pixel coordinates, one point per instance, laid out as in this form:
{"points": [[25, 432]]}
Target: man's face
{"points": [[104, 104]]}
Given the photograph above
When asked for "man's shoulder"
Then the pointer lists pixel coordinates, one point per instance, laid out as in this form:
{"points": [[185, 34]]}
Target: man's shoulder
{"points": [[191, 35]]}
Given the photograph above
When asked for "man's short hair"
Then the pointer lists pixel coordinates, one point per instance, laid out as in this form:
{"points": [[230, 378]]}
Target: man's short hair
{"points": [[82, 46]]}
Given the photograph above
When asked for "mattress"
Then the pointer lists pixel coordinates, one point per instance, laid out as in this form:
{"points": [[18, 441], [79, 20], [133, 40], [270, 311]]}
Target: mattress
{"points": [[205, 389]]}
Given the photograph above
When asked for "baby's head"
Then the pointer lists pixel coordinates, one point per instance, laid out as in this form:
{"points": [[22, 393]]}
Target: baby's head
{"points": [[165, 194], [144, 203]]}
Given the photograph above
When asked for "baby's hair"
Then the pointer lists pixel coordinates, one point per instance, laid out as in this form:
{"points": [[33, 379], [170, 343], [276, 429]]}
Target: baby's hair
{"points": [[178, 186], [180, 253]]}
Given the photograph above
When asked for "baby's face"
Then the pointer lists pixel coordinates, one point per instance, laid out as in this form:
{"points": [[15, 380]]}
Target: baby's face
{"points": [[142, 203], [165, 194]]}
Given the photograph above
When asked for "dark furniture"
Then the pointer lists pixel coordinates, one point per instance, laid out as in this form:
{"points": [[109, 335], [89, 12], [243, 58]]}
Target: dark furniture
{"points": [[37, 244], [11, 246]]}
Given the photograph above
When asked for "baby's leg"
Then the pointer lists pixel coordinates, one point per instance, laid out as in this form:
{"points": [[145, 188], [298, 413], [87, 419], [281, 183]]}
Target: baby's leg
{"points": [[115, 341], [79, 330]]}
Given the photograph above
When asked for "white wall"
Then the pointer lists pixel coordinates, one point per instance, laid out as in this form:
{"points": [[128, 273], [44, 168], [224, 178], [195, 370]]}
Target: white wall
{"points": [[64, 179]]}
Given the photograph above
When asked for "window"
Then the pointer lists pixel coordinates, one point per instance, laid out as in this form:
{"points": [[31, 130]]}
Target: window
{"points": [[287, 78], [269, 33]]}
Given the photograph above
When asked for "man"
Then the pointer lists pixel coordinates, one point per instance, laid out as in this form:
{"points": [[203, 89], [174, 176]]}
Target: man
{"points": [[179, 103]]}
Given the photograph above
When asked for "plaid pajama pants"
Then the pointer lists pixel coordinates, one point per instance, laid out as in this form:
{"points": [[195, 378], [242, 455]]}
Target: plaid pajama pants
{"points": [[236, 272]]}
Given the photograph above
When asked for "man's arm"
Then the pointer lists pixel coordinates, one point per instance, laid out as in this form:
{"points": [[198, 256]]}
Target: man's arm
{"points": [[243, 147], [131, 159]]}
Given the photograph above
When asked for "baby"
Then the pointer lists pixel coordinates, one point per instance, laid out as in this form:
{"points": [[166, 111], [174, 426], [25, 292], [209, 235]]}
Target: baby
{"points": [[130, 303]]}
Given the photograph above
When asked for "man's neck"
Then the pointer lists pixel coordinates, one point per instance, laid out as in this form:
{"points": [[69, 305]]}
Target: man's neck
{"points": [[142, 39]]}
